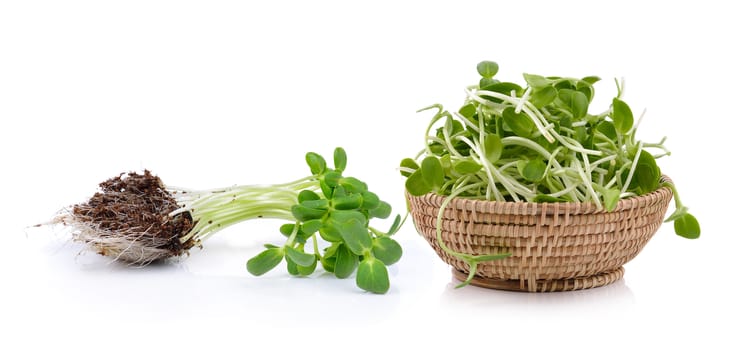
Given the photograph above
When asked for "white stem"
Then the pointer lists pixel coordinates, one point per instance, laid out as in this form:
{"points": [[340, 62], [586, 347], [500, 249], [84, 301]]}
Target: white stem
{"points": [[633, 166]]}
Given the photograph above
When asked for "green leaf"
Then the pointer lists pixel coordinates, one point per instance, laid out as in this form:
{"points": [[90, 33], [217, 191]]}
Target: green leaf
{"points": [[332, 250], [330, 232], [332, 178], [591, 79], [326, 189], [432, 172], [356, 236], [486, 82], [387, 250], [582, 135], [329, 257], [446, 163], [321, 203], [382, 211], [265, 261], [370, 200], [505, 88], [687, 226], [520, 123], [455, 126], [611, 197], [340, 159], [566, 122], [436, 148], [292, 267], [395, 225], [343, 216], [564, 84], [328, 264], [564, 97], [316, 163], [372, 276], [543, 97], [311, 226], [307, 270], [300, 258], [533, 170], [353, 185], [536, 81], [586, 89], [622, 116], [339, 192], [304, 213], [296, 270], [468, 110], [348, 202], [410, 164], [287, 229], [345, 262], [579, 104], [607, 129], [467, 167], [307, 195], [647, 173], [492, 147], [416, 184], [487, 69]]}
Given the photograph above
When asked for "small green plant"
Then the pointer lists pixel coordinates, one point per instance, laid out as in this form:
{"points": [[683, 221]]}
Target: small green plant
{"points": [[539, 143], [136, 219]]}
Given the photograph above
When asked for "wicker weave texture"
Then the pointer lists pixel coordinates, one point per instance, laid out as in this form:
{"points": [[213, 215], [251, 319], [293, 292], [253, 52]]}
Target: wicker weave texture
{"points": [[562, 245]]}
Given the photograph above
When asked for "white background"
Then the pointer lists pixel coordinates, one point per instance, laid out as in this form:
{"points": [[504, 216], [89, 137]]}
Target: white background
{"points": [[214, 93]]}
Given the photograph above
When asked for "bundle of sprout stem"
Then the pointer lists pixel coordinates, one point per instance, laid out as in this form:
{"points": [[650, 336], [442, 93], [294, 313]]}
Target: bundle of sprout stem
{"points": [[136, 219]]}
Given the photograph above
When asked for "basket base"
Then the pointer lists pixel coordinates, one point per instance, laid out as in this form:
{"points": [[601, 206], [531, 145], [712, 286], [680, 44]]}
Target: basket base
{"points": [[560, 285]]}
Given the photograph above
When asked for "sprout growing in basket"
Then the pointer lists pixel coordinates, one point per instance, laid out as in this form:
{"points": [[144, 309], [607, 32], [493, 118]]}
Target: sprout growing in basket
{"points": [[536, 144], [137, 219]]}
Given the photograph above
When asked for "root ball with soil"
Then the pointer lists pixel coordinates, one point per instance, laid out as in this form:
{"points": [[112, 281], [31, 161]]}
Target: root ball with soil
{"points": [[129, 219]]}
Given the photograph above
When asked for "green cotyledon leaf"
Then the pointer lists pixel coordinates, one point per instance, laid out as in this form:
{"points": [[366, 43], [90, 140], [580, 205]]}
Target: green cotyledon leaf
{"points": [[687, 226], [520, 123], [345, 262], [416, 184], [299, 257], [532, 170], [432, 172], [340, 159], [622, 116], [387, 250], [265, 261], [372, 276], [493, 147], [355, 235], [316, 163], [487, 69], [467, 167]]}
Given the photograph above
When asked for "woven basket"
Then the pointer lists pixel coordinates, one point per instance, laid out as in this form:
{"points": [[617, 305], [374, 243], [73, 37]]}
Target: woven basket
{"points": [[554, 246]]}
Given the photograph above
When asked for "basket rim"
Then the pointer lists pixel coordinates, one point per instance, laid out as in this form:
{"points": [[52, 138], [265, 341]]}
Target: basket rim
{"points": [[661, 193]]}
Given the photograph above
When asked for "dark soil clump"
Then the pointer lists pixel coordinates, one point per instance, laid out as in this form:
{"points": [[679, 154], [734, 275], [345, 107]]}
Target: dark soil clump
{"points": [[136, 208]]}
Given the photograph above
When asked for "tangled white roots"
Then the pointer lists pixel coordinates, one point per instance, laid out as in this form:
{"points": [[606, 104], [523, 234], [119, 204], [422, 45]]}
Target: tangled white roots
{"points": [[134, 245]]}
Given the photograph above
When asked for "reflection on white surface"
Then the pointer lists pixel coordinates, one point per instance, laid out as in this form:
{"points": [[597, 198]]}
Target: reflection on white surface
{"points": [[615, 293], [211, 291]]}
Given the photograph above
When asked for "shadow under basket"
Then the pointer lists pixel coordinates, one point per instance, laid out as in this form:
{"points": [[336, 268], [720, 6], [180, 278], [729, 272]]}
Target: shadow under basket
{"points": [[553, 246]]}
